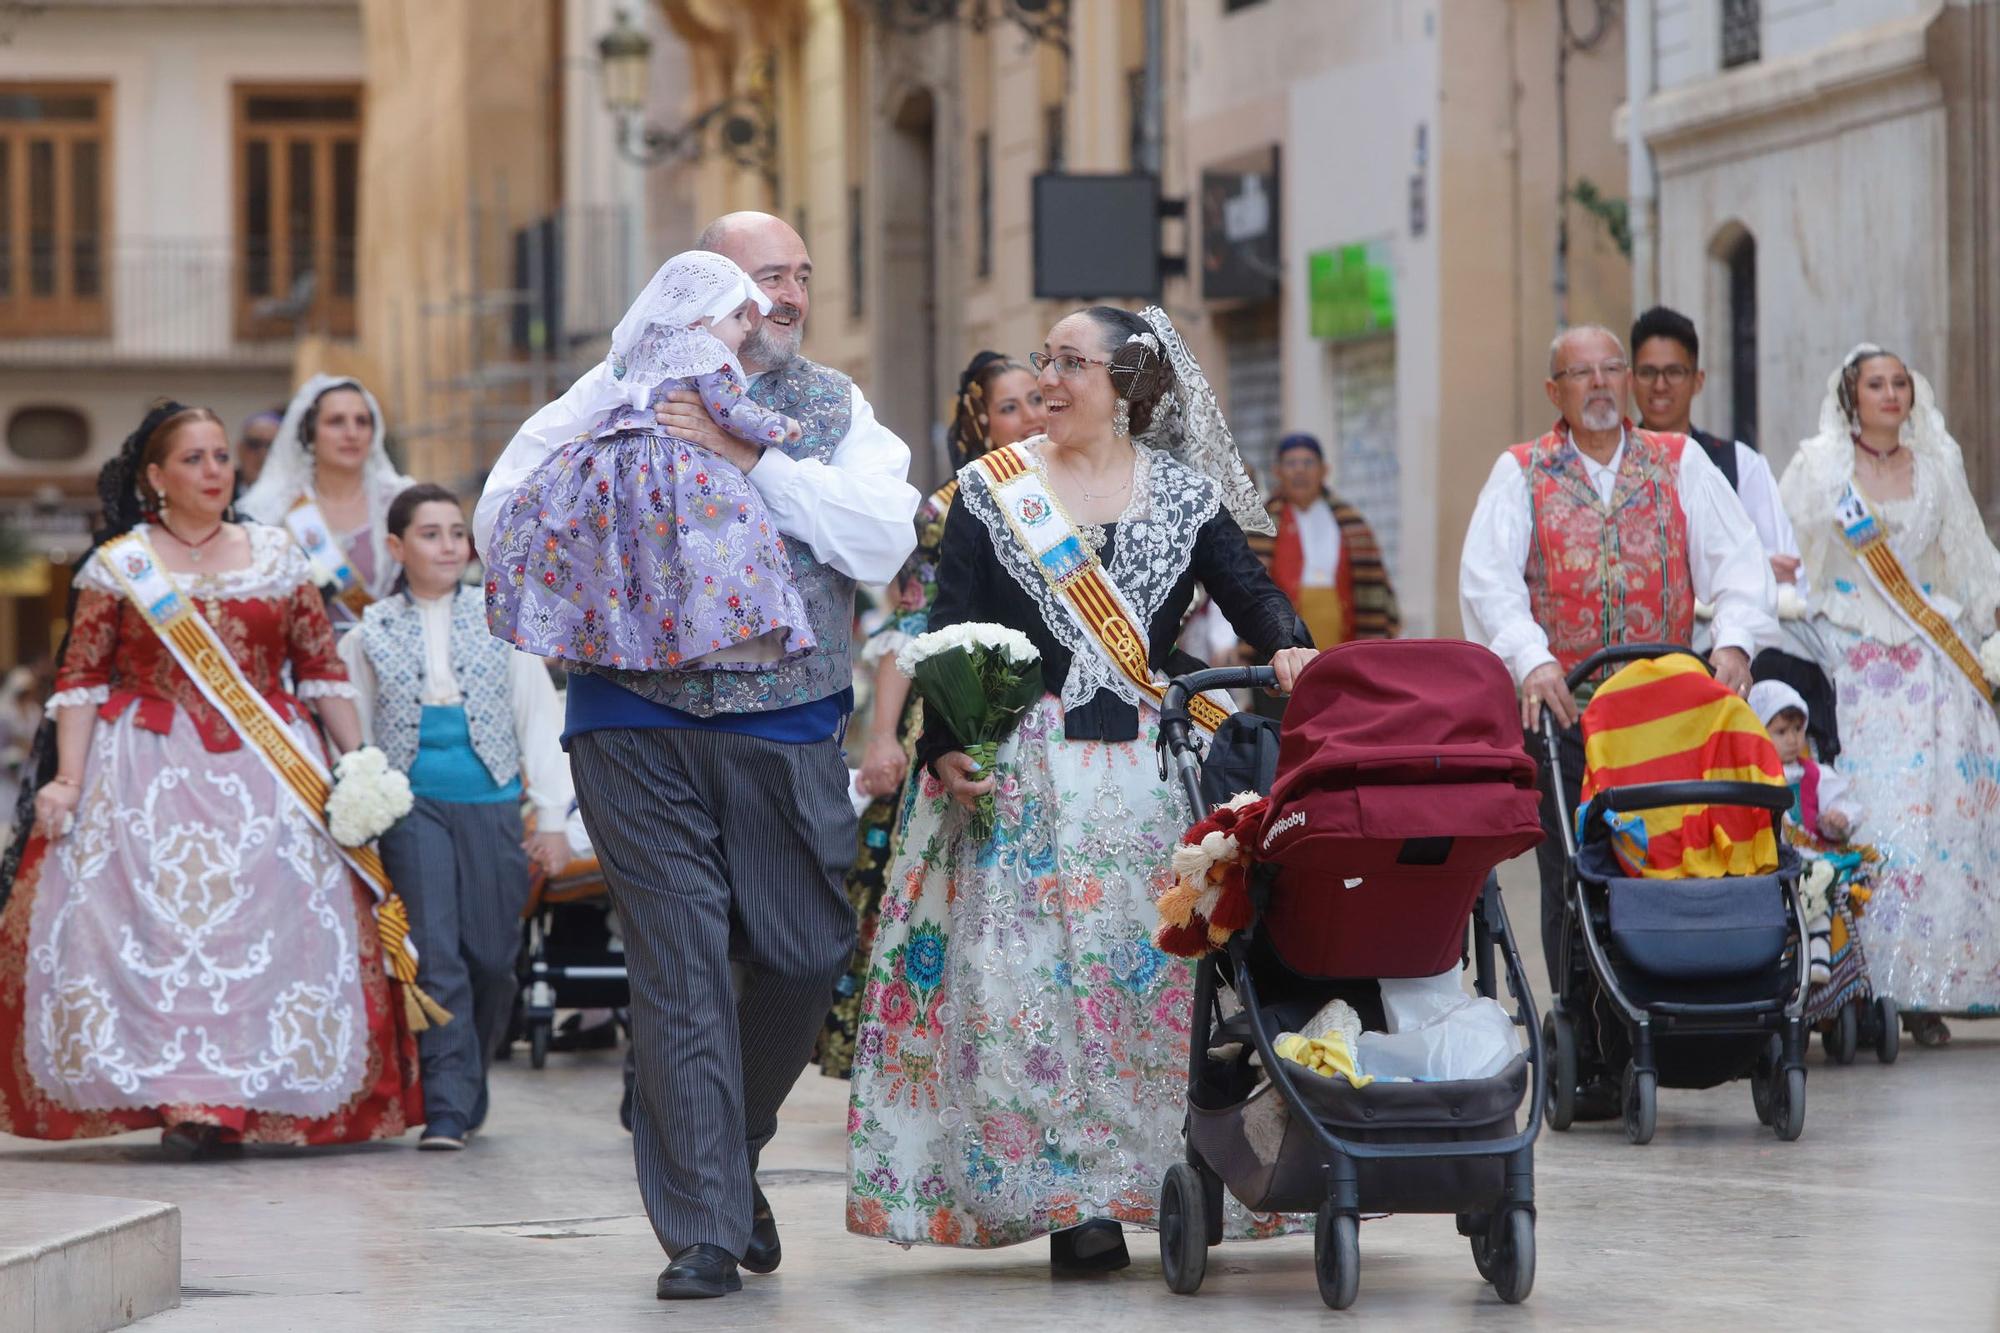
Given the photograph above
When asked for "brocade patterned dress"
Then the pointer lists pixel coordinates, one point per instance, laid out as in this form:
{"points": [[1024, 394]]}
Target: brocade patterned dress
{"points": [[630, 549], [1020, 1065], [195, 950]]}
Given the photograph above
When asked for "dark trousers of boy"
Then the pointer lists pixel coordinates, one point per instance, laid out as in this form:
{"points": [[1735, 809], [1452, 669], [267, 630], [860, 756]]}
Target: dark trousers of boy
{"points": [[726, 856], [461, 868]]}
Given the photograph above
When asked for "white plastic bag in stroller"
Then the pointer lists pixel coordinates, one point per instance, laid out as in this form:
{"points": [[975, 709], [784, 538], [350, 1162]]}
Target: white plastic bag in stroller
{"points": [[1437, 1032]]}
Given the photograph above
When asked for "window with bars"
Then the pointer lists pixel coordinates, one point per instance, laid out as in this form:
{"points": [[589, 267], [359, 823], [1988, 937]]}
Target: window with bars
{"points": [[54, 209], [1742, 33], [298, 189], [982, 245]]}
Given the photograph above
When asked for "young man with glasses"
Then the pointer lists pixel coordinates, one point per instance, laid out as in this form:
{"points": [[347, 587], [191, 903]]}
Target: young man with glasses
{"points": [[1602, 533], [1667, 374]]}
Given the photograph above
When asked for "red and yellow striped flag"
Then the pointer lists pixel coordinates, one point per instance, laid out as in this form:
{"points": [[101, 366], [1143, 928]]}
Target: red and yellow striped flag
{"points": [[1666, 720]]}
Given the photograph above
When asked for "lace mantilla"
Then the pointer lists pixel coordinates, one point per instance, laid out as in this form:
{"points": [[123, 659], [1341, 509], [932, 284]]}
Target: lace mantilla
{"points": [[660, 337], [276, 567], [1155, 544]]}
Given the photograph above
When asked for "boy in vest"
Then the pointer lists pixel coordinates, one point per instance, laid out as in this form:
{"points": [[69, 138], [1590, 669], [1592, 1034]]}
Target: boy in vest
{"points": [[1598, 534], [475, 726]]}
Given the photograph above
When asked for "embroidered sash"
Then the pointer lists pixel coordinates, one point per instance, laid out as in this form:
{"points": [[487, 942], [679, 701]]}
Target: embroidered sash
{"points": [[1077, 578], [329, 563], [1864, 536], [195, 647]]}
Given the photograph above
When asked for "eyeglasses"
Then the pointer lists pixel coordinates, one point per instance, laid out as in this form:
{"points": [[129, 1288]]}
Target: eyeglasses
{"points": [[1674, 375], [1068, 365], [1610, 370]]}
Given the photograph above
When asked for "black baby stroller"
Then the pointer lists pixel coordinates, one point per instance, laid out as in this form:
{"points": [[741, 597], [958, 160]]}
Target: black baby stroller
{"points": [[571, 957], [1678, 983], [1396, 787]]}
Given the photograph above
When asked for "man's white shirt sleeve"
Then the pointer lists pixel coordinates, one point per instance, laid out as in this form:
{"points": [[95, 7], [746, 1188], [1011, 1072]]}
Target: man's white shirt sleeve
{"points": [[541, 435], [1758, 490], [1492, 573], [856, 511]]}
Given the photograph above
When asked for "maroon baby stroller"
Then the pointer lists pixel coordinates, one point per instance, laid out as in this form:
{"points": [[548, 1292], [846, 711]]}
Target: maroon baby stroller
{"points": [[1400, 782]]}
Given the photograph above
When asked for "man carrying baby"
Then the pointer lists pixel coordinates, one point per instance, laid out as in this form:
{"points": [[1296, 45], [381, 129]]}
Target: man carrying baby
{"points": [[717, 799]]}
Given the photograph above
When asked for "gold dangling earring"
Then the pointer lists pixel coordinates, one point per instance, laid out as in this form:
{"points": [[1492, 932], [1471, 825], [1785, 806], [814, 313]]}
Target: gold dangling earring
{"points": [[1121, 419]]}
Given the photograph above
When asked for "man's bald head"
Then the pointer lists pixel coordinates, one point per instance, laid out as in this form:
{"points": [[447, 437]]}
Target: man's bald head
{"points": [[774, 255]]}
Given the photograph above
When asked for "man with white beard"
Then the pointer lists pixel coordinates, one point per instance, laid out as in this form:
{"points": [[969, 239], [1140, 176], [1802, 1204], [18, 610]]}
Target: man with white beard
{"points": [[1601, 533]]}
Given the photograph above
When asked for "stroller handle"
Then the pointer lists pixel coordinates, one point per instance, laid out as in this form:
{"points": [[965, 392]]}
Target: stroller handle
{"points": [[1621, 653], [1173, 707], [1655, 795]]}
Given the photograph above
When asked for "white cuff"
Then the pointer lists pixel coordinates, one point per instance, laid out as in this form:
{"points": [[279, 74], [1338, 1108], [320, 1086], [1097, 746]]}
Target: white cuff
{"points": [[83, 696], [1529, 660], [327, 689], [882, 643], [773, 474]]}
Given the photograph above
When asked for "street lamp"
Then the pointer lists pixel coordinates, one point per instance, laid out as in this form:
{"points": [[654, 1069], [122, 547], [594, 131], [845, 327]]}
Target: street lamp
{"points": [[746, 125], [1042, 20]]}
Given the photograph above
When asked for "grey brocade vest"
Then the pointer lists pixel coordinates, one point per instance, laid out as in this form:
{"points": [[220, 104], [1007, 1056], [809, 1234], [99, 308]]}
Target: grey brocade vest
{"points": [[821, 401]]}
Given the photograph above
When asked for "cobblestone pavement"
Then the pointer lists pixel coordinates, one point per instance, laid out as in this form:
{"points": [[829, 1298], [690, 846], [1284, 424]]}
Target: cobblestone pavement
{"points": [[1883, 1215]]}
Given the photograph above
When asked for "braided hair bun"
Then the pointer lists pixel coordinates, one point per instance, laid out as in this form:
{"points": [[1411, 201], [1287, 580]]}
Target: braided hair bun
{"points": [[1139, 368]]}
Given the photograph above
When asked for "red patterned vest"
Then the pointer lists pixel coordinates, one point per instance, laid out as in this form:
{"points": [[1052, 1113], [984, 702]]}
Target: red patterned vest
{"points": [[1604, 574]]}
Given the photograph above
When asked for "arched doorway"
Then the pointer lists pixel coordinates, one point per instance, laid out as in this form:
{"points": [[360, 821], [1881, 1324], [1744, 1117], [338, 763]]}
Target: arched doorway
{"points": [[1732, 366], [904, 308]]}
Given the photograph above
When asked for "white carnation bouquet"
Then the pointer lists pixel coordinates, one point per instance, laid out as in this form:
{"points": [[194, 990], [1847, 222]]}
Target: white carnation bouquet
{"points": [[1989, 662], [980, 678], [368, 797]]}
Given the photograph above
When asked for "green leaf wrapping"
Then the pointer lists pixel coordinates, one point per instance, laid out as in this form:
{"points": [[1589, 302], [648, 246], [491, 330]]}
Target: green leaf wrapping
{"points": [[979, 695]]}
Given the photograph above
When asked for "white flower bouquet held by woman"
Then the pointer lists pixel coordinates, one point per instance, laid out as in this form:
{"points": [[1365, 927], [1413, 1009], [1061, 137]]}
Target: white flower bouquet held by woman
{"points": [[368, 797], [980, 678], [1989, 663]]}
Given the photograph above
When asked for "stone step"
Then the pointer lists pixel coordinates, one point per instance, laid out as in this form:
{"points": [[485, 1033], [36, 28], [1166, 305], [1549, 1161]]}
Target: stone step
{"points": [[82, 1263]]}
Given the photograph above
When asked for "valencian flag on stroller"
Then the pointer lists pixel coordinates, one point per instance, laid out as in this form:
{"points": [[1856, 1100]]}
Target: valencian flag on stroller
{"points": [[1664, 720]]}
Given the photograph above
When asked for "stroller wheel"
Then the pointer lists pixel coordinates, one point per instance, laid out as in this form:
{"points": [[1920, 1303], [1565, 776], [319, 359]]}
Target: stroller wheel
{"points": [[1559, 1069], [1506, 1256], [1844, 1036], [1337, 1256], [1788, 1104], [538, 1044], [1760, 1086], [1641, 1103], [1890, 1042], [1183, 1229]]}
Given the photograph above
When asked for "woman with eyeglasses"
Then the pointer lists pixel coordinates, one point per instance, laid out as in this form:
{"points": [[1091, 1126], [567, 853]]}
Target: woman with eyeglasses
{"points": [[1020, 1064], [1906, 593], [998, 404]]}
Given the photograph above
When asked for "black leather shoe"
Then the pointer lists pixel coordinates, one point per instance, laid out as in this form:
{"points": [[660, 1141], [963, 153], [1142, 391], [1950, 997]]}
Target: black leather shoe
{"points": [[761, 1255], [1094, 1247], [698, 1273]]}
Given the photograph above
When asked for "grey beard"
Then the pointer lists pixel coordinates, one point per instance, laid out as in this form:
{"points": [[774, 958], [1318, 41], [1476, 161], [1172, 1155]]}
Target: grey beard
{"points": [[1601, 416], [766, 348]]}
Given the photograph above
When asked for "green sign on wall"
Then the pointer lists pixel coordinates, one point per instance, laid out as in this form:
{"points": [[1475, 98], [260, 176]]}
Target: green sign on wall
{"points": [[1352, 290]]}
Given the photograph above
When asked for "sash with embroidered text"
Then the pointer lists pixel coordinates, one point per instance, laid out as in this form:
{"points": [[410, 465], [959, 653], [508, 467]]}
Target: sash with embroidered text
{"points": [[1864, 536]]}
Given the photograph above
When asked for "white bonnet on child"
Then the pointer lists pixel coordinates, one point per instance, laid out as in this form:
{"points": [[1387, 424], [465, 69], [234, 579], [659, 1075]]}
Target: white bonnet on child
{"points": [[657, 340], [1768, 698]]}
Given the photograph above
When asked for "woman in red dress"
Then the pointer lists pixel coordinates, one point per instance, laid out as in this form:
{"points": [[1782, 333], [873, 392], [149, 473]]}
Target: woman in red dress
{"points": [[182, 946]]}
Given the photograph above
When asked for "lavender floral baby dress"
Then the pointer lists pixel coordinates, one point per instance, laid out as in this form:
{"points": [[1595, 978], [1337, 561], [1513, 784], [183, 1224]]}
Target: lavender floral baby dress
{"points": [[631, 549]]}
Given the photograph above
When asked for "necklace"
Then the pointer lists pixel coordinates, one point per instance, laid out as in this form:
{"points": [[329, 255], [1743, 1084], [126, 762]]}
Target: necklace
{"points": [[1879, 455], [193, 548], [1089, 494]]}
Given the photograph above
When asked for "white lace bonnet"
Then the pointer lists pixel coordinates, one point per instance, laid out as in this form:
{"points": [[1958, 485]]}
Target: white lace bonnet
{"points": [[660, 337]]}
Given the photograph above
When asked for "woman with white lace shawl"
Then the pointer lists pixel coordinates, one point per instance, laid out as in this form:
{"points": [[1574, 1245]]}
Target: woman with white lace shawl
{"points": [[1906, 589], [1020, 1063], [329, 482]]}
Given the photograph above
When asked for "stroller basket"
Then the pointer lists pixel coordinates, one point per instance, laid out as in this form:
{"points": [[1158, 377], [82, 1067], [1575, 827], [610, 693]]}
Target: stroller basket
{"points": [[1273, 1162], [1698, 929]]}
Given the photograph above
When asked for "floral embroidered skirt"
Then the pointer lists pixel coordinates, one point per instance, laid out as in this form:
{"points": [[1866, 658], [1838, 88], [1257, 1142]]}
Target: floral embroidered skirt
{"points": [[643, 553], [1021, 1062], [194, 951], [1920, 747]]}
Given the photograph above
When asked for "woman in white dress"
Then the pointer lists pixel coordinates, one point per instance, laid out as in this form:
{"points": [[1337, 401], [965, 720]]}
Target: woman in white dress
{"points": [[329, 481], [1906, 588]]}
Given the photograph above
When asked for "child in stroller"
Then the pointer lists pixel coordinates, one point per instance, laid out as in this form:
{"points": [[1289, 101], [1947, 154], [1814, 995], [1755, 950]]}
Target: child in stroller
{"points": [[1682, 952], [1842, 1002], [1397, 785]]}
